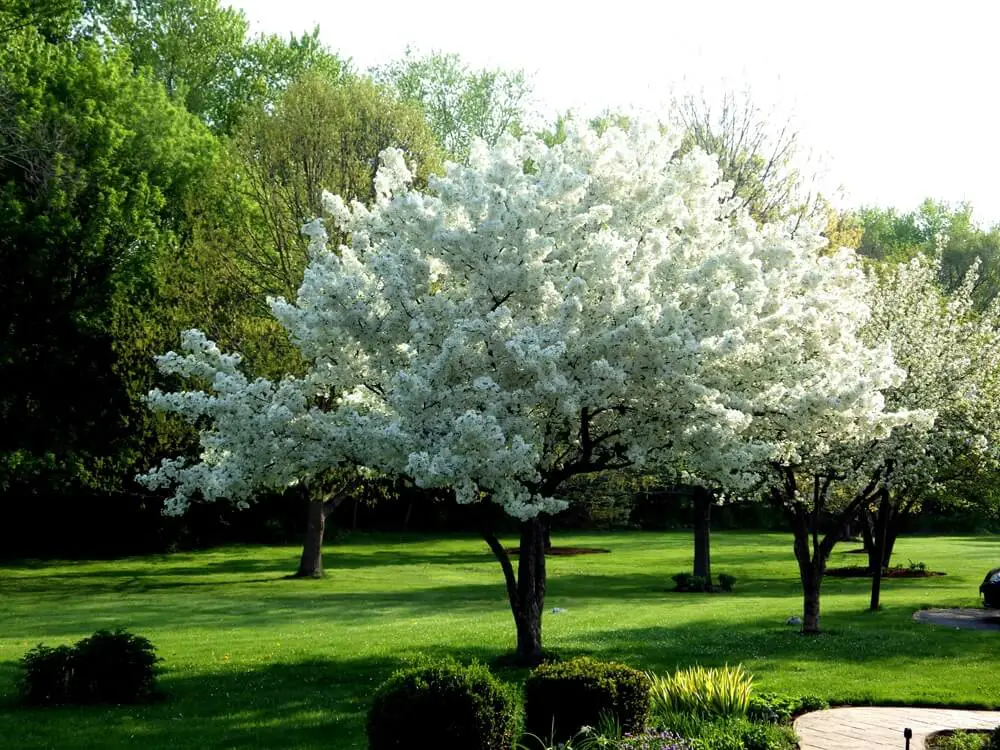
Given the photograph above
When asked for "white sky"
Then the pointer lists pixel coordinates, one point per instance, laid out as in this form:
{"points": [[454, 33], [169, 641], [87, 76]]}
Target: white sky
{"points": [[897, 100]]}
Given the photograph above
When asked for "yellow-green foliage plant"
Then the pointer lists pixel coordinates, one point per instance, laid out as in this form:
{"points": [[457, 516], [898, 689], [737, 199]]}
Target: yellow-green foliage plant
{"points": [[702, 692]]}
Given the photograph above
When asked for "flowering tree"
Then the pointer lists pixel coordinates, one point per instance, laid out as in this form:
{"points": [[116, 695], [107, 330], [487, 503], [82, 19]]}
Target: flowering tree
{"points": [[940, 423], [819, 410], [541, 314], [951, 355]]}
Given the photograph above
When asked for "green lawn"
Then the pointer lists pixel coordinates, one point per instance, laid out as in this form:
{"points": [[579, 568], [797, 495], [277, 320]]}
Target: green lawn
{"points": [[254, 660]]}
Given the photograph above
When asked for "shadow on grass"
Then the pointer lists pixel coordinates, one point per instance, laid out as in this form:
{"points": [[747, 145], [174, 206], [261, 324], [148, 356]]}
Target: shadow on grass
{"points": [[309, 704], [251, 564], [191, 598]]}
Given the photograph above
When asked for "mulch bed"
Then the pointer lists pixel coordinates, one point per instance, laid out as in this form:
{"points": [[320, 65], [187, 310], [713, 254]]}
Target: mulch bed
{"points": [[859, 571], [565, 551]]}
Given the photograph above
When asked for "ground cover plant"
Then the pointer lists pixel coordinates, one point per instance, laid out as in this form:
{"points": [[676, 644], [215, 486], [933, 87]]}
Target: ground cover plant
{"points": [[251, 659], [960, 740]]}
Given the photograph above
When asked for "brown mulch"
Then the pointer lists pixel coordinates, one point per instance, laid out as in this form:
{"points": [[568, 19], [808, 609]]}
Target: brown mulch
{"points": [[564, 551], [859, 571]]}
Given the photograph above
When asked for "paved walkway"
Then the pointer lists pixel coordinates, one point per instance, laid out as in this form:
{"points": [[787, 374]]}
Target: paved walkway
{"points": [[882, 728], [962, 617]]}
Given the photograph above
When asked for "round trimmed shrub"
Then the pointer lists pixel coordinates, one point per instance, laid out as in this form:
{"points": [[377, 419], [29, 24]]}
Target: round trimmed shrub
{"points": [[114, 667], [561, 698], [447, 706], [107, 667]]}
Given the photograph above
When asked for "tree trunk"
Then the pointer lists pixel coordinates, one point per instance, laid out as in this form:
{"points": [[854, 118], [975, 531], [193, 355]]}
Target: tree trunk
{"points": [[868, 536], [810, 552], [526, 590], [530, 591], [812, 579], [891, 535], [885, 529], [812, 565], [311, 562], [702, 534]]}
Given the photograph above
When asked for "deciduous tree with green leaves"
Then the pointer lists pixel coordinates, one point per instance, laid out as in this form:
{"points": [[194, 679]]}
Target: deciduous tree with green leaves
{"points": [[460, 104], [202, 52], [95, 163]]}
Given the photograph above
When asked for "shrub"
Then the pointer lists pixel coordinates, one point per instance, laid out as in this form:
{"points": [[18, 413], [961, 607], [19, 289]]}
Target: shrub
{"points": [[777, 708], [108, 667], [561, 698], [447, 705], [809, 703], [46, 676], [726, 582], [958, 740], [691, 583], [681, 581], [114, 667], [994, 741], [699, 583], [702, 692]]}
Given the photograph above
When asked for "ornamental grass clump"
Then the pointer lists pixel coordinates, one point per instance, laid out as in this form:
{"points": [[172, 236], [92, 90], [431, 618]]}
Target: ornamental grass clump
{"points": [[702, 692]]}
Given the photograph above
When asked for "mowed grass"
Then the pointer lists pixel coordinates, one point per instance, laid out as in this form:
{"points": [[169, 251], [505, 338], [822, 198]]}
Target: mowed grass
{"points": [[252, 659]]}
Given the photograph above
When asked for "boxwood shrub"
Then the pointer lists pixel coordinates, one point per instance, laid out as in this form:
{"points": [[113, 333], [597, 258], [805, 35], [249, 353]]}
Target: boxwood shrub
{"points": [[445, 705], [561, 698]]}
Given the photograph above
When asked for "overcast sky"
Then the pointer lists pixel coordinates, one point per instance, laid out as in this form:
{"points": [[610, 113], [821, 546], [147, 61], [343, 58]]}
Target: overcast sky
{"points": [[897, 100]]}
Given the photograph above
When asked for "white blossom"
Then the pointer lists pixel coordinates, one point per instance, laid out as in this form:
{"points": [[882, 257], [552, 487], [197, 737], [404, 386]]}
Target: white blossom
{"points": [[542, 312]]}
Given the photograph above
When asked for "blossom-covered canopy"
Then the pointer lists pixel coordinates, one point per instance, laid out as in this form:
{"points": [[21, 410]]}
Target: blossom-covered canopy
{"points": [[540, 313]]}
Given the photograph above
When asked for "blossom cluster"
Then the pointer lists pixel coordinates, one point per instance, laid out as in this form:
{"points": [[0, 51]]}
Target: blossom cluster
{"points": [[546, 311]]}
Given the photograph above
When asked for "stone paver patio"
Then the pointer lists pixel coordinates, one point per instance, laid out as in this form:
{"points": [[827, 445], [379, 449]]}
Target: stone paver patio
{"points": [[865, 728]]}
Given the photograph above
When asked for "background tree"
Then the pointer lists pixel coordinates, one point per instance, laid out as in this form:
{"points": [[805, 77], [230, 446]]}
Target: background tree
{"points": [[201, 51], [936, 228], [951, 355], [51, 18], [95, 164], [460, 104], [762, 165], [762, 162]]}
